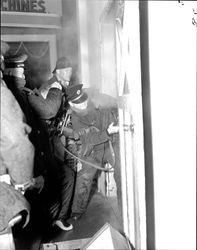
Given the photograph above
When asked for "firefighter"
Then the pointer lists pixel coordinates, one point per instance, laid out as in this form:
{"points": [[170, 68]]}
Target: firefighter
{"points": [[50, 103], [91, 129], [52, 187], [50, 97]]}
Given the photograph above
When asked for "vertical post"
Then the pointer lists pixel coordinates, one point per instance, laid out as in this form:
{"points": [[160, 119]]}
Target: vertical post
{"points": [[144, 43]]}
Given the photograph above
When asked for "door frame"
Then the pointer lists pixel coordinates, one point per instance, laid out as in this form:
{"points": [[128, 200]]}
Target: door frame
{"points": [[128, 65]]}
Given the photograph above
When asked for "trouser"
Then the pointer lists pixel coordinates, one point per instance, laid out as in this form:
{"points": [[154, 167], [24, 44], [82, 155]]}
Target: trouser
{"points": [[117, 168], [59, 192], [83, 186]]}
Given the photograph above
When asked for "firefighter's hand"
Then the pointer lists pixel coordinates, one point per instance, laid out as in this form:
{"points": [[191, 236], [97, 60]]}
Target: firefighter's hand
{"points": [[79, 166], [112, 129], [38, 183], [67, 131], [27, 129], [75, 135], [70, 132], [36, 92]]}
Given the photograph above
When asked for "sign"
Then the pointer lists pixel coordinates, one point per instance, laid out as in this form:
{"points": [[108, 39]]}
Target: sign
{"points": [[36, 6]]}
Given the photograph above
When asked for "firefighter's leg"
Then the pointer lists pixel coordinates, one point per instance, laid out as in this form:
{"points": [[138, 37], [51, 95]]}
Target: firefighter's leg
{"points": [[61, 208], [83, 187], [59, 192], [65, 185]]}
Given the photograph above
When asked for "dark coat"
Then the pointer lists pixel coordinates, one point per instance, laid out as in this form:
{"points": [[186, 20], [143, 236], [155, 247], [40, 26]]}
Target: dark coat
{"points": [[49, 107], [96, 139], [38, 135]]}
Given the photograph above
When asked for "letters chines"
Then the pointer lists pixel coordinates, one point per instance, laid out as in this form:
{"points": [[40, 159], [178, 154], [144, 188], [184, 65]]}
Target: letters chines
{"points": [[36, 6]]}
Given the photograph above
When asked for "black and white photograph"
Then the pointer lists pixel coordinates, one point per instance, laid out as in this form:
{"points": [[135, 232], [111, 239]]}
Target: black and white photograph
{"points": [[98, 125]]}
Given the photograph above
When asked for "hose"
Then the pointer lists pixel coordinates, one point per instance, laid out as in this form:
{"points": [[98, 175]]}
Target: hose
{"points": [[87, 162]]}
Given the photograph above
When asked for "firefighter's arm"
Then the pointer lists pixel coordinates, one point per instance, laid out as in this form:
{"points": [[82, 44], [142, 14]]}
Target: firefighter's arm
{"points": [[90, 135], [53, 101], [95, 137], [46, 108]]}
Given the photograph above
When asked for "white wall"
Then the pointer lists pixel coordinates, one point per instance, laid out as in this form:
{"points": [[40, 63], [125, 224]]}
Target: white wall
{"points": [[54, 7], [173, 98], [89, 41]]}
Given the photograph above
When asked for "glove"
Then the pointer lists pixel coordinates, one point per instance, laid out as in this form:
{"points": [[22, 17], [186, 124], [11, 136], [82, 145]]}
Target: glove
{"points": [[79, 166], [112, 129], [70, 132], [36, 92], [37, 183], [67, 131], [27, 129]]}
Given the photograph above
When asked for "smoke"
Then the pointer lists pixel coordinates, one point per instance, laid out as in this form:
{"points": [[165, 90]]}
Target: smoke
{"points": [[67, 44], [67, 37], [100, 99]]}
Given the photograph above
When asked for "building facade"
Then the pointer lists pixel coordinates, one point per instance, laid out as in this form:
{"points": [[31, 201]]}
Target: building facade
{"points": [[78, 29]]}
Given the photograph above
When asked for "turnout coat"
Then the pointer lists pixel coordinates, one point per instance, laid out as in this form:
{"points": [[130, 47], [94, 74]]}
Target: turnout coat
{"points": [[91, 126], [47, 100], [38, 135]]}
